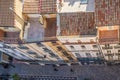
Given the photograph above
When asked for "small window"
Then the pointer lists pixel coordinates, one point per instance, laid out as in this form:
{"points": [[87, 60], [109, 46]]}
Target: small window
{"points": [[83, 46], [108, 51], [72, 47], [118, 51], [31, 52], [98, 54], [23, 47], [84, 1], [88, 55], [118, 43], [78, 55], [59, 48], [94, 46], [53, 41], [107, 45]]}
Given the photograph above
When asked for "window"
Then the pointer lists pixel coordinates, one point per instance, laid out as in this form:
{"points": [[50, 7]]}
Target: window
{"points": [[108, 51], [118, 43], [94, 46], [83, 46], [118, 51], [54, 42], [72, 47], [31, 52], [23, 47], [78, 55], [88, 55], [59, 48], [83, 1], [118, 54], [107, 45], [98, 54], [5, 34]]}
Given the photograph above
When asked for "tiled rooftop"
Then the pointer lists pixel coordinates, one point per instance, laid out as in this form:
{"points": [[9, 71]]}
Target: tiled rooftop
{"points": [[107, 34], [77, 23], [107, 12], [6, 15], [39, 6]]}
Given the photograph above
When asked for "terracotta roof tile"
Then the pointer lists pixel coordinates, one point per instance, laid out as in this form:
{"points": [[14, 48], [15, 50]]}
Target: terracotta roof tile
{"points": [[39, 6], [6, 16], [108, 35], [79, 23]]}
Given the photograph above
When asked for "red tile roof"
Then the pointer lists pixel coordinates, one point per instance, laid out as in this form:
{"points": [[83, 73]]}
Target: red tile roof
{"points": [[6, 15], [108, 35], [107, 12], [80, 23], [39, 6]]}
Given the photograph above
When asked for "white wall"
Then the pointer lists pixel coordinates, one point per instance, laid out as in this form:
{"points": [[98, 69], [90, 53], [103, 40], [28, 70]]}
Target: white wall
{"points": [[75, 6]]}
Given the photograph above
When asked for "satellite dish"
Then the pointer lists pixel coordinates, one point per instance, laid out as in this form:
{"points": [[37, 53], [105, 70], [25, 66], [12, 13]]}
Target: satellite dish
{"points": [[41, 20]]}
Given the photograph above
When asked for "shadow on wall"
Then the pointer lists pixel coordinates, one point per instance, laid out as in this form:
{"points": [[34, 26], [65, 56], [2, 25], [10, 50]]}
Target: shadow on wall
{"points": [[71, 2]]}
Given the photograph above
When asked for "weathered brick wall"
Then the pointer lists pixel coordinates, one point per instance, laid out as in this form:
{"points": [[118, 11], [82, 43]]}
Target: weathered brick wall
{"points": [[107, 12], [81, 23], [40, 6], [50, 30], [6, 15]]}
